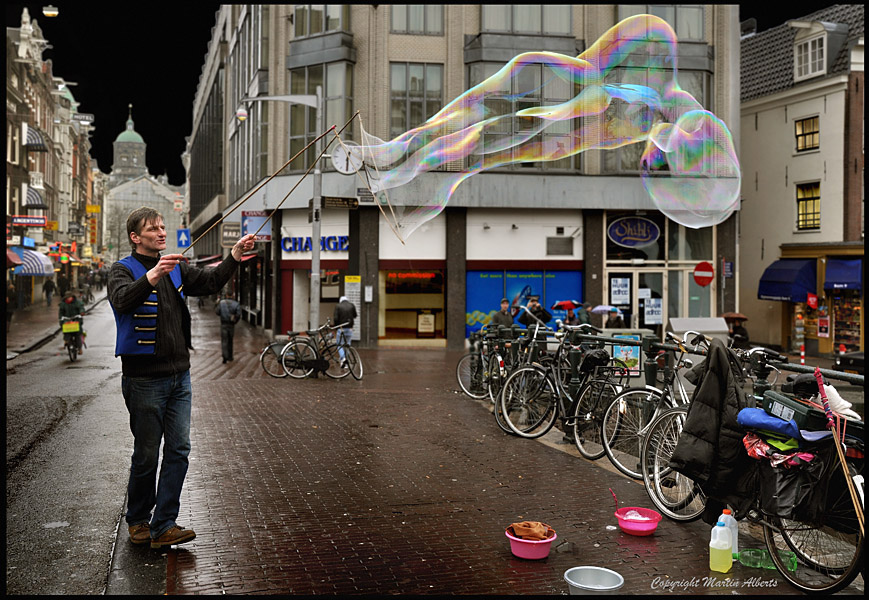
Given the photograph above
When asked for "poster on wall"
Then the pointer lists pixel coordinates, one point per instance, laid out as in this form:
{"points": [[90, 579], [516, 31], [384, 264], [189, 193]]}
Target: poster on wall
{"points": [[654, 309], [629, 354], [620, 291], [484, 290], [352, 289], [824, 327], [561, 285]]}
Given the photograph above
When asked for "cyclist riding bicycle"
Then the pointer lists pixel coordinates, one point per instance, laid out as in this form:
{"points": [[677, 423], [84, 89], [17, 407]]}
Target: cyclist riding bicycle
{"points": [[72, 307]]}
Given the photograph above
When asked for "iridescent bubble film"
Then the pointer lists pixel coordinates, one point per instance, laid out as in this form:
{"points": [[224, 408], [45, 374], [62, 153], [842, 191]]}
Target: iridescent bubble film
{"points": [[623, 90]]}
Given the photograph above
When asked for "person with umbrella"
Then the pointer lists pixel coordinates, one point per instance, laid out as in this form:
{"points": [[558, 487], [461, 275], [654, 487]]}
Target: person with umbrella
{"points": [[569, 305], [735, 330], [614, 319]]}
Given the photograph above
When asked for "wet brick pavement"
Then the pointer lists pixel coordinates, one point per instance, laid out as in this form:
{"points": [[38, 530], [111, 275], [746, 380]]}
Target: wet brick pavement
{"points": [[397, 484], [400, 485]]}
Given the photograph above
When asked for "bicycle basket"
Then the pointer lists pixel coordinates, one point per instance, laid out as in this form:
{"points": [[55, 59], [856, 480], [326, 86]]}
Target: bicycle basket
{"points": [[71, 327], [593, 359]]}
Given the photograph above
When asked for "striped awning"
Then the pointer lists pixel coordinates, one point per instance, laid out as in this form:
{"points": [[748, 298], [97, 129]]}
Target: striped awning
{"points": [[35, 140], [34, 199], [34, 264]]}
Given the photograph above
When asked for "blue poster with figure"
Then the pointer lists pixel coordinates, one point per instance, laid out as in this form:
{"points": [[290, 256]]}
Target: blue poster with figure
{"points": [[483, 293], [561, 285]]}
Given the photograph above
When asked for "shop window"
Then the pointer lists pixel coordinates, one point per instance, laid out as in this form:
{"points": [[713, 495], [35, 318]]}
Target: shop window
{"points": [[847, 317], [690, 244], [632, 237], [809, 206], [414, 282], [808, 134]]}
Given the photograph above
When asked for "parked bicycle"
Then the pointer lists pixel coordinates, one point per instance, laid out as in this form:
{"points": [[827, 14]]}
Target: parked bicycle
{"points": [[302, 355]]}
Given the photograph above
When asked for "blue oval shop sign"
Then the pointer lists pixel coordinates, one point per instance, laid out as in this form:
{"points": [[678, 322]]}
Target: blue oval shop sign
{"points": [[633, 232]]}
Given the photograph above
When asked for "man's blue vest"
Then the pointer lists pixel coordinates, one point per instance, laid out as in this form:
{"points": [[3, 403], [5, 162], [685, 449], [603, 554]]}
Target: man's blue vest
{"points": [[137, 331]]}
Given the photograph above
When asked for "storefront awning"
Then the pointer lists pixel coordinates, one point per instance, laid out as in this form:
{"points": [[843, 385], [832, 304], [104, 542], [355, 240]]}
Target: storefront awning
{"points": [[844, 274], [34, 200], [788, 280], [35, 140], [34, 264]]}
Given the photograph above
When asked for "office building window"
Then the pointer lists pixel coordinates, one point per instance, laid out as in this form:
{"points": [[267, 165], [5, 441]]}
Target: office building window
{"points": [[314, 19], [629, 120], [336, 80], [537, 19], [808, 134], [809, 206], [539, 86], [425, 19], [809, 58], [416, 94], [686, 20]]}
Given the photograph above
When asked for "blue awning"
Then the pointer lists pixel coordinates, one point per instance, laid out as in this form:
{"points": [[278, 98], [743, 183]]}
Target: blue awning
{"points": [[844, 274], [788, 280], [35, 140], [34, 264]]}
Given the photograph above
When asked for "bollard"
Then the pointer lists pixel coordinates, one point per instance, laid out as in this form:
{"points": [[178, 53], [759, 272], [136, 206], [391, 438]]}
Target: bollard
{"points": [[802, 354]]}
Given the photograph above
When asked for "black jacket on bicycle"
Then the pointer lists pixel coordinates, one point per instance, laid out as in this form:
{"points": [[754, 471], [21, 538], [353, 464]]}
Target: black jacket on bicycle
{"points": [[710, 449]]}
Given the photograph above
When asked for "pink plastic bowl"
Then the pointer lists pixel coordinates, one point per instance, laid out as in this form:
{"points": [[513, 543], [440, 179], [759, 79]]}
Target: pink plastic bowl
{"points": [[635, 527], [530, 549]]}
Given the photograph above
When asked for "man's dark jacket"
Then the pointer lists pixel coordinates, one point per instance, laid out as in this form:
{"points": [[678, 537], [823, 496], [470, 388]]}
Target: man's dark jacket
{"points": [[710, 449]]}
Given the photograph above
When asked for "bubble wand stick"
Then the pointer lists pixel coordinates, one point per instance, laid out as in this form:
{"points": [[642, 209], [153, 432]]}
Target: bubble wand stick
{"points": [[857, 506]]}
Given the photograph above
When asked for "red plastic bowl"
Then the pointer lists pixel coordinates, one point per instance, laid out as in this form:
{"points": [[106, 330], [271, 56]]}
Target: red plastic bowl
{"points": [[638, 527], [530, 549]]}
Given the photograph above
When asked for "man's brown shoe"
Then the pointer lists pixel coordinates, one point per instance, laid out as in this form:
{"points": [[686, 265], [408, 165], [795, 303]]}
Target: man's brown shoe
{"points": [[140, 534], [174, 535]]}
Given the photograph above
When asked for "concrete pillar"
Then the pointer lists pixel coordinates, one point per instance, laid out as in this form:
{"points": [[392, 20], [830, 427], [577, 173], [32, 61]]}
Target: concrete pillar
{"points": [[457, 241], [593, 252], [364, 260]]}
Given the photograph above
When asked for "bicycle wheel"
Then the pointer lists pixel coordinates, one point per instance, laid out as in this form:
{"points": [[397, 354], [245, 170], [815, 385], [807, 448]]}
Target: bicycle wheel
{"points": [[470, 376], [529, 402], [270, 359], [354, 363], [335, 369], [624, 425], [293, 356], [675, 495], [73, 351], [496, 377], [830, 552], [594, 397]]}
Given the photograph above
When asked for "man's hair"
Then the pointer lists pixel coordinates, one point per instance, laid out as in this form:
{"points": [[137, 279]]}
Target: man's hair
{"points": [[137, 220]]}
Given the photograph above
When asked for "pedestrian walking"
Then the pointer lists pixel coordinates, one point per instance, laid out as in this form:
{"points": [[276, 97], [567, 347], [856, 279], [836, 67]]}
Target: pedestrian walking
{"points": [[583, 315], [614, 319], [48, 288], [503, 316], [344, 314], [147, 294], [229, 311]]}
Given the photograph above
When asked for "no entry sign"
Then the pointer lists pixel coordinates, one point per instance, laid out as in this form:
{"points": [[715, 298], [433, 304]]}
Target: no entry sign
{"points": [[703, 274]]}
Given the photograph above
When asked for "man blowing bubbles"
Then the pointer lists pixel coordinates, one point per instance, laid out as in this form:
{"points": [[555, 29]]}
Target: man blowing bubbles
{"points": [[146, 292]]}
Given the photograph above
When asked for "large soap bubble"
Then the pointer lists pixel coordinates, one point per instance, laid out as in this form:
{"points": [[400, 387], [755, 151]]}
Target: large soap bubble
{"points": [[689, 165]]}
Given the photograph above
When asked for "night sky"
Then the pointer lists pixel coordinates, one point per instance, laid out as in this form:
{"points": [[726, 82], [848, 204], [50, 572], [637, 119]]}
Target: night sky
{"points": [[151, 54]]}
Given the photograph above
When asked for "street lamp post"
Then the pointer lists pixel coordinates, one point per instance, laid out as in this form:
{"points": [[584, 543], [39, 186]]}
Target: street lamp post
{"points": [[315, 101]]}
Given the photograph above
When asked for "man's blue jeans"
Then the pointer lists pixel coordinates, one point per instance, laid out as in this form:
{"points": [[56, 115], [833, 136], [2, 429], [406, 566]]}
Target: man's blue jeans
{"points": [[345, 337], [159, 411]]}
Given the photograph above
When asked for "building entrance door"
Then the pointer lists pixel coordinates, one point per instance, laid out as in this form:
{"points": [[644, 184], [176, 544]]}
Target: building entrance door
{"points": [[649, 298]]}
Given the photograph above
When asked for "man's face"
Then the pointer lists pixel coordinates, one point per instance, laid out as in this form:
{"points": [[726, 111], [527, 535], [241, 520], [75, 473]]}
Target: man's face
{"points": [[151, 239], [505, 306]]}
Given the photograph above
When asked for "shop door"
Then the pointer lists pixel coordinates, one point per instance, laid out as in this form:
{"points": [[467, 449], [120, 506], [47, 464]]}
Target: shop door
{"points": [[648, 305]]}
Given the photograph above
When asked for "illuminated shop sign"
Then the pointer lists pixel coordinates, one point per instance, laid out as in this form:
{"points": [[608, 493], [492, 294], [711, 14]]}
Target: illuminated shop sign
{"points": [[633, 232], [331, 243]]}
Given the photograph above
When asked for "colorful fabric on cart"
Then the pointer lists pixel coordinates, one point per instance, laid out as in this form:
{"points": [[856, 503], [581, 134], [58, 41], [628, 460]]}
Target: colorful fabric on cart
{"points": [[757, 418]]}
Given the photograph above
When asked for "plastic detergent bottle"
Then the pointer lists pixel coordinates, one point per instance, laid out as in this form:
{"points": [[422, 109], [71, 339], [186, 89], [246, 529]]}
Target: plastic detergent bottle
{"points": [[730, 522], [720, 556]]}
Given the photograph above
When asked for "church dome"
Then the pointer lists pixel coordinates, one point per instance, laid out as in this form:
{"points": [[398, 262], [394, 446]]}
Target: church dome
{"points": [[129, 134]]}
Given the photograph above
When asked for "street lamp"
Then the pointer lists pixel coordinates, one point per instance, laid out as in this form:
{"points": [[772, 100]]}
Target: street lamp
{"points": [[315, 101]]}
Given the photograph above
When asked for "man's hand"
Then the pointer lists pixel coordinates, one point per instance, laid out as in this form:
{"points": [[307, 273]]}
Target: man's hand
{"points": [[164, 266], [243, 245]]}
